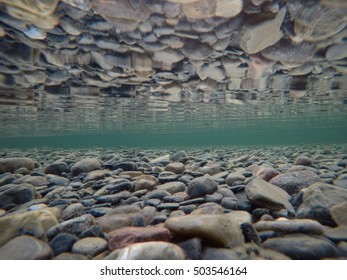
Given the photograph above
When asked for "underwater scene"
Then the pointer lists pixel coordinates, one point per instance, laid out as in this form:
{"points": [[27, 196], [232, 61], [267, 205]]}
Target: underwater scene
{"points": [[173, 129]]}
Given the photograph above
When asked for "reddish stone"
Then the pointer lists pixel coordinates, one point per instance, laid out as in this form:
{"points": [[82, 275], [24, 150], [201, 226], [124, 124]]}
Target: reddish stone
{"points": [[128, 235]]}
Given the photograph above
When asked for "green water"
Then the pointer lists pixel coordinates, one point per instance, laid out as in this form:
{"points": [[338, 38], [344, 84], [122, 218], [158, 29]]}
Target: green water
{"points": [[269, 131]]}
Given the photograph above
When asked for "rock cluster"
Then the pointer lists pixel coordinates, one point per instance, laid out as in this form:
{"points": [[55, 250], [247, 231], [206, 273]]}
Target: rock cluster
{"points": [[164, 204]]}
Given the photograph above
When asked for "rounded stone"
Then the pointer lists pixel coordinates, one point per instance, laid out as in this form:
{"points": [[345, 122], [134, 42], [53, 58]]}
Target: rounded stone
{"points": [[175, 167], [62, 243], [57, 168], [172, 187], [85, 165], [25, 248], [12, 164], [234, 177], [303, 160], [201, 186], [219, 230], [90, 246]]}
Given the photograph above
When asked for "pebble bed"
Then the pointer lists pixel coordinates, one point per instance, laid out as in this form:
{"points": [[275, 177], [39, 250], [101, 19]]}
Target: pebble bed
{"points": [[214, 203]]}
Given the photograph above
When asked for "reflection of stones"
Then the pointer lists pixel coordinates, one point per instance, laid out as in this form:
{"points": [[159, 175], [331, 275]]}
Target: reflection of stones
{"points": [[177, 48]]}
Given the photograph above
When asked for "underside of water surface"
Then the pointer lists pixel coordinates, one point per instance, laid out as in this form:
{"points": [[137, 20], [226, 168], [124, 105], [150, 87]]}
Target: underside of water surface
{"points": [[172, 73]]}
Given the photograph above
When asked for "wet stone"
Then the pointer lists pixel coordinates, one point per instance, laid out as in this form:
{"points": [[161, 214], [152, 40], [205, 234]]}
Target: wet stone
{"points": [[62, 243], [25, 248], [89, 246], [128, 235], [302, 248], [152, 250]]}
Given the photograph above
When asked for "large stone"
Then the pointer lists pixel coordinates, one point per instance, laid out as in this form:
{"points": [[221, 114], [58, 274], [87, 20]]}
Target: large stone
{"points": [[264, 194], [126, 236], [37, 7], [290, 226], [57, 168], [172, 187], [12, 164], [25, 248], [195, 50], [228, 8], [85, 165], [288, 53], [201, 9], [176, 167], [89, 246], [234, 177], [36, 223], [256, 37], [338, 213], [201, 186], [122, 9], [219, 230], [153, 250], [248, 251], [17, 194], [293, 182], [62, 243], [302, 247], [317, 201]]}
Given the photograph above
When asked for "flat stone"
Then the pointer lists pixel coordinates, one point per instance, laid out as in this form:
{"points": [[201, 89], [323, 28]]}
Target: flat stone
{"points": [[168, 206], [220, 230], [73, 226], [201, 186], [89, 246], [255, 38], [290, 226], [288, 53], [25, 248], [317, 201], [172, 187], [126, 236], [293, 182], [264, 194], [302, 248], [152, 250], [12, 164], [85, 165]]}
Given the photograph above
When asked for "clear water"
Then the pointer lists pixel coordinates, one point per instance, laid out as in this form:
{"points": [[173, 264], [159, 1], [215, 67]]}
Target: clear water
{"points": [[269, 117]]}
